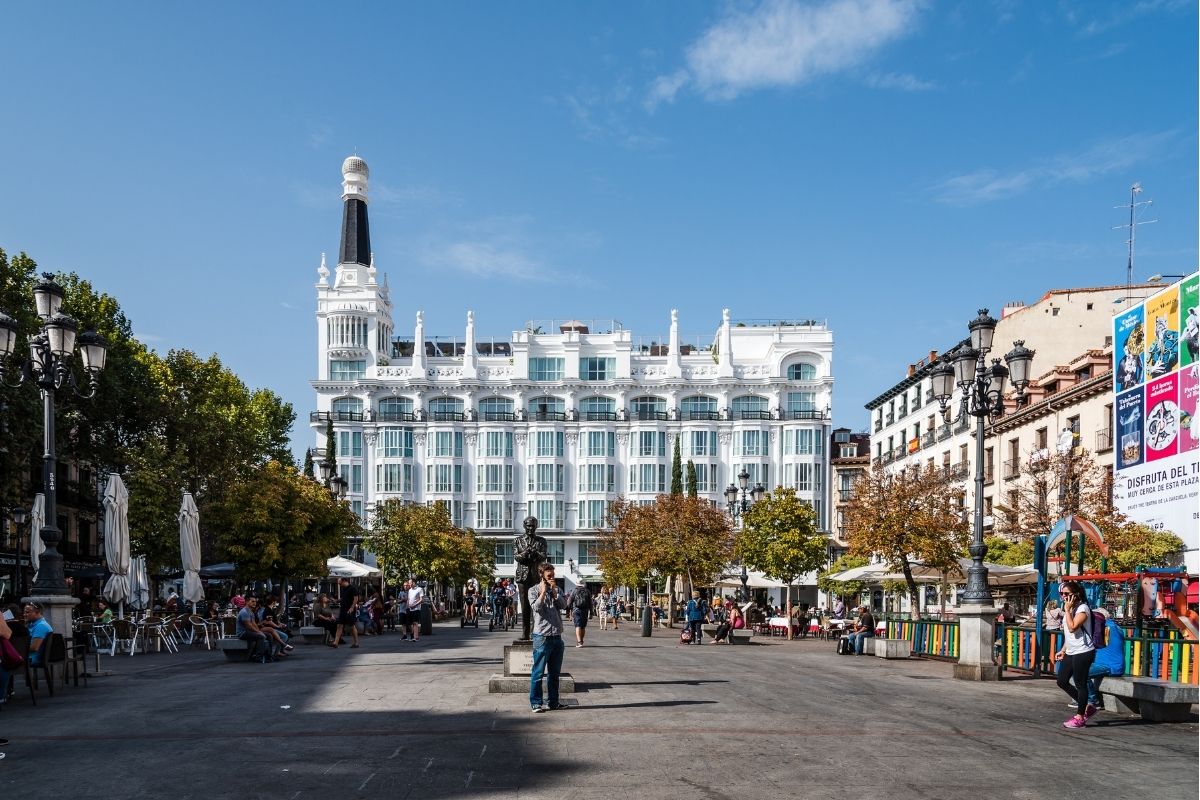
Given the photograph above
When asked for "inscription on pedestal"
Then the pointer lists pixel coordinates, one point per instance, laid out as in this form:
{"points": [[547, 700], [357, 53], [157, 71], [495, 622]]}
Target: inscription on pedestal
{"points": [[518, 659]]}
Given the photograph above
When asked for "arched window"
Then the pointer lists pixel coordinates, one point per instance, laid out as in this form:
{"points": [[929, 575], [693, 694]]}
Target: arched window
{"points": [[802, 372], [749, 406], [648, 407], [496, 408], [395, 409], [548, 408], [348, 409], [446, 409], [598, 408], [698, 407]]}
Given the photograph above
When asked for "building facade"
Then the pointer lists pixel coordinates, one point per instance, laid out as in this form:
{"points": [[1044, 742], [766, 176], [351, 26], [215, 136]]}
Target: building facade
{"points": [[558, 419]]}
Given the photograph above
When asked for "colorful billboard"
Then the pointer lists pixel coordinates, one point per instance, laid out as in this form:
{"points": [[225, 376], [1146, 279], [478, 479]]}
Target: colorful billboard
{"points": [[1155, 427]]}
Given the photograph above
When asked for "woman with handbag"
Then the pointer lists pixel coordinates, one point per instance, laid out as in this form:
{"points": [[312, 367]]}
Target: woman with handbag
{"points": [[10, 659]]}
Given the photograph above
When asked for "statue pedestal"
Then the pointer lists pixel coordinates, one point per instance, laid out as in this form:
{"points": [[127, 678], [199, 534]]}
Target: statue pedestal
{"points": [[518, 666], [518, 658], [976, 644]]}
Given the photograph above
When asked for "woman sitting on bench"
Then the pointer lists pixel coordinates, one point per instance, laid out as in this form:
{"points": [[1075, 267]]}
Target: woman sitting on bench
{"points": [[736, 622]]}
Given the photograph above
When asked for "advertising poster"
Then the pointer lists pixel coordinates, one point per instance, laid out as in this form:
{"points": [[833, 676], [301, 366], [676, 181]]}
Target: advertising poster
{"points": [[1128, 412], [1190, 324], [1189, 424], [1162, 334], [1128, 345], [1162, 418]]}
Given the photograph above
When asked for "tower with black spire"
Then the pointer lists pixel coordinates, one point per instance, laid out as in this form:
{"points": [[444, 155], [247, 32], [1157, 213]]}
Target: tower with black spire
{"points": [[356, 233]]}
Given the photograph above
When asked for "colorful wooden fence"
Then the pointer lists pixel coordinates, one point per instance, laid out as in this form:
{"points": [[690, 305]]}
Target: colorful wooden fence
{"points": [[1156, 654], [930, 637]]}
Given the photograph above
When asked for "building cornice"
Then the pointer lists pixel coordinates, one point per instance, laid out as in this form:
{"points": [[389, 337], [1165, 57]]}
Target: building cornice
{"points": [[1056, 402]]}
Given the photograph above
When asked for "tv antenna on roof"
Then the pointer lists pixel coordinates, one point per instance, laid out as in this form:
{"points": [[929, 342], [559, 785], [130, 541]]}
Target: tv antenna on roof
{"points": [[1133, 207]]}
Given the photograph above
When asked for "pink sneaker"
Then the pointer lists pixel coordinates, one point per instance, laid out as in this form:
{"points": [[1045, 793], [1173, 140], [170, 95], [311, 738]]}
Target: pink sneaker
{"points": [[1090, 712], [1075, 722]]}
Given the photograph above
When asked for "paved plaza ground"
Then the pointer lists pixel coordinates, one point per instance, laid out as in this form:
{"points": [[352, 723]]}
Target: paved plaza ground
{"points": [[652, 720]]}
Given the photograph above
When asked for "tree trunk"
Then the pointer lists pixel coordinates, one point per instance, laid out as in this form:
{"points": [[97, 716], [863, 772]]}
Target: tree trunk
{"points": [[788, 607], [915, 598]]}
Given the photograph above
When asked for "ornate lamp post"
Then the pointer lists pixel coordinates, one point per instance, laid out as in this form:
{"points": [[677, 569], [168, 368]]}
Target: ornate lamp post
{"points": [[737, 507], [49, 366], [982, 397]]}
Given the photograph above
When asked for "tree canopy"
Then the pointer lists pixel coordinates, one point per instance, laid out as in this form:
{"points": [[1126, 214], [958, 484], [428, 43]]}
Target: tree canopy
{"points": [[416, 540], [843, 588]]}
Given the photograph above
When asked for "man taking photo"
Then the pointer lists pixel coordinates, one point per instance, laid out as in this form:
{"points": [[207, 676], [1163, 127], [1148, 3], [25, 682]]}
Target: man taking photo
{"points": [[546, 604]]}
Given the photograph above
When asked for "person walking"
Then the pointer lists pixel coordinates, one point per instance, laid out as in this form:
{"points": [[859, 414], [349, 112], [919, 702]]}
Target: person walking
{"points": [[546, 604], [1077, 653], [416, 599], [614, 608], [346, 611], [602, 610], [581, 608], [694, 615]]}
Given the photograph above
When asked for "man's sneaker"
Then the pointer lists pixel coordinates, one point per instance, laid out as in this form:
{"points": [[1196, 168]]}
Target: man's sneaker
{"points": [[1090, 711], [579, 645], [287, 648], [558, 707], [539, 709], [1075, 722]]}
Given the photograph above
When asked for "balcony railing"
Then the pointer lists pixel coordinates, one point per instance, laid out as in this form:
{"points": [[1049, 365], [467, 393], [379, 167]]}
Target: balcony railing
{"points": [[878, 425], [600, 416], [447, 416], [813, 414], [902, 412], [548, 416], [926, 438], [701, 415], [962, 423], [889, 419], [498, 416], [1104, 440], [889, 457], [900, 451], [336, 416], [754, 415], [943, 432], [845, 495], [1012, 469], [959, 470], [396, 416], [649, 416]]}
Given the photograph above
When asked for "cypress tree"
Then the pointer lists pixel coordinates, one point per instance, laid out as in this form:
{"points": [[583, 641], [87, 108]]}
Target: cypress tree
{"points": [[676, 471], [693, 485]]}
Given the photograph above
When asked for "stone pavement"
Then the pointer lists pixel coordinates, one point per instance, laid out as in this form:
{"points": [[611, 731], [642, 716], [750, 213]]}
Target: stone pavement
{"points": [[652, 719]]}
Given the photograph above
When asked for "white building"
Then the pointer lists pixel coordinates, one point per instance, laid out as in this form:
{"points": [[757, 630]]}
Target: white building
{"points": [[558, 419]]}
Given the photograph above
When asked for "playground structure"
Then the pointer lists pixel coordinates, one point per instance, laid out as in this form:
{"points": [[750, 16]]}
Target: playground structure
{"points": [[1160, 643]]}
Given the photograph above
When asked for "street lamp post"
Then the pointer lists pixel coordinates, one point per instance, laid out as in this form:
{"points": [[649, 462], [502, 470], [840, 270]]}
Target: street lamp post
{"points": [[982, 388], [648, 608], [738, 500], [49, 367]]}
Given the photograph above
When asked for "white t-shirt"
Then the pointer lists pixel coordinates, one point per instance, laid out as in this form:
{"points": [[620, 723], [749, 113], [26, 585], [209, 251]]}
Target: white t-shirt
{"points": [[416, 596], [1078, 640]]}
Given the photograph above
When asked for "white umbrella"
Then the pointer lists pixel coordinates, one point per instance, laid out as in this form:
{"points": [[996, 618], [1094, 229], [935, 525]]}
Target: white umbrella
{"points": [[37, 519], [340, 567], [867, 572], [116, 541], [139, 583], [189, 550]]}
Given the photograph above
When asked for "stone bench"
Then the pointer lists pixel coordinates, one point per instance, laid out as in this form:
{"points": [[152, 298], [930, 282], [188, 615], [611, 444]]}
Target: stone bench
{"points": [[234, 649], [740, 636], [1154, 700], [313, 635], [891, 648]]}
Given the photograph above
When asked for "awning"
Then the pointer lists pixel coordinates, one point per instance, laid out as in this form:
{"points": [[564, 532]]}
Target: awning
{"points": [[340, 567]]}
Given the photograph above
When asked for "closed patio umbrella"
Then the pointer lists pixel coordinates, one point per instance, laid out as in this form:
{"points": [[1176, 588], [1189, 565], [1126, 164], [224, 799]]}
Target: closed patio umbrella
{"points": [[139, 583], [189, 550], [37, 518], [116, 542]]}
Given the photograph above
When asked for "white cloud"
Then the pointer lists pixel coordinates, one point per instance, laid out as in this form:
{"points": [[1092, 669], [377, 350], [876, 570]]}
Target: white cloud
{"points": [[1128, 12], [786, 43], [988, 184], [488, 259], [901, 81]]}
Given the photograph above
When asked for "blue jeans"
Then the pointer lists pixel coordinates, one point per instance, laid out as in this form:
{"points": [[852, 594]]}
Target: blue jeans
{"points": [[261, 645], [1095, 675], [547, 658], [857, 640]]}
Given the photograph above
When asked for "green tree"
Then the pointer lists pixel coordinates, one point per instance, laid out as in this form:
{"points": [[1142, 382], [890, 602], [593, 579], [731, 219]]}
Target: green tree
{"points": [[277, 523], [309, 472], [1003, 550], [422, 541], [779, 538], [693, 485], [1132, 545], [842, 589], [676, 471]]}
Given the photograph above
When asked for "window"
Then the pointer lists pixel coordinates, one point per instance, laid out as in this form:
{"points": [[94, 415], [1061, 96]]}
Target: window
{"points": [[799, 476], [455, 507], [749, 402], [446, 407], [593, 368], [598, 405], [803, 442], [556, 550], [545, 477], [847, 451], [547, 405], [394, 408], [706, 478], [589, 552], [349, 443], [443, 478], [393, 478], [597, 477], [494, 478], [546, 369], [446, 444], [549, 514], [648, 478], [394, 443], [698, 407], [759, 473], [546, 444], [802, 401], [699, 443], [1073, 424], [647, 405], [497, 444], [495, 515], [495, 407], [352, 475], [350, 407], [649, 443], [504, 552], [592, 514], [346, 370], [841, 437], [599, 444], [802, 372], [750, 443], [1041, 438]]}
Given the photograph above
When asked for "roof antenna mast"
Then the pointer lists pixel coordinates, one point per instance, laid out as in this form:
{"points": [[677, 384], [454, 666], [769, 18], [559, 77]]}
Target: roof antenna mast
{"points": [[1133, 207]]}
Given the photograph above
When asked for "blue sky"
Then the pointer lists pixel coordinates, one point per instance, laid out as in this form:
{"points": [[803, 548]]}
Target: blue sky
{"points": [[890, 165]]}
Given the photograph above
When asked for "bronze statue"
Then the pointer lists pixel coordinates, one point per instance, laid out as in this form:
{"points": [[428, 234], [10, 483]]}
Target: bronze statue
{"points": [[529, 551]]}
